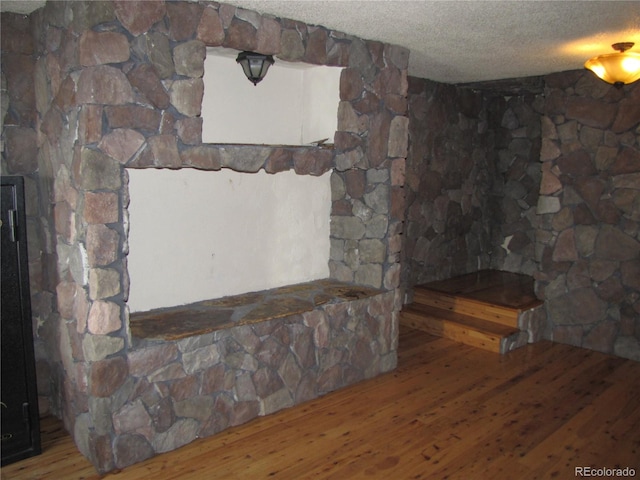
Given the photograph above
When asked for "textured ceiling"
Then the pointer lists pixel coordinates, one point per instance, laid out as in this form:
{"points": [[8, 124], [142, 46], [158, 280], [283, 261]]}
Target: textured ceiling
{"points": [[468, 41]]}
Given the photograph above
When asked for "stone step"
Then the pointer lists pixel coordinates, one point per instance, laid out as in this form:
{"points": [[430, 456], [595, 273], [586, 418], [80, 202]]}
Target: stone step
{"points": [[472, 331]]}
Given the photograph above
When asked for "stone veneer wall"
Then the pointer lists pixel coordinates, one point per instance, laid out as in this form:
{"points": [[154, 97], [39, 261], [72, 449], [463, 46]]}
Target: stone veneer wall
{"points": [[515, 121], [472, 179], [20, 157], [448, 180], [588, 241], [119, 85], [559, 198]]}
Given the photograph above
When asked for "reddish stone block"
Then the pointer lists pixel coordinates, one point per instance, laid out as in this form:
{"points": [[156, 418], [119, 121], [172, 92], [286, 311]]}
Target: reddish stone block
{"points": [[279, 160], [104, 85], [98, 48], [168, 123], [146, 80], [268, 36], [66, 293], [243, 412], [241, 35], [216, 379], [316, 51], [565, 248], [133, 116], [52, 125], [398, 168], [186, 96], [397, 203], [121, 145], [576, 163], [628, 116], [21, 150], [183, 19], [164, 150], [130, 449], [378, 139], [630, 274], [103, 245], [356, 183], [184, 388], [64, 219], [396, 104], [139, 17], [81, 309], [19, 71], [203, 157], [627, 161], [602, 337], [106, 376], [189, 130], [593, 113], [346, 141], [93, 170], [312, 162], [145, 361], [613, 244], [291, 45], [351, 84], [90, 124], [369, 102], [210, 29], [104, 318], [16, 34], [66, 96]]}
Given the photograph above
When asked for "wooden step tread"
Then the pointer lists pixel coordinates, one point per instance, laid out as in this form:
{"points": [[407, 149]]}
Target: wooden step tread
{"points": [[453, 331], [469, 307], [466, 321], [505, 289]]}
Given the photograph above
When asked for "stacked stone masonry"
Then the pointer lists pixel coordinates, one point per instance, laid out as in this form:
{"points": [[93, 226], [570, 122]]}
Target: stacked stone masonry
{"points": [[535, 183], [588, 240], [472, 182], [114, 85]]}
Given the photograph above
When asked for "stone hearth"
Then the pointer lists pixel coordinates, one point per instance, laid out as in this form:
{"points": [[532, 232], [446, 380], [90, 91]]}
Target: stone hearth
{"points": [[246, 309]]}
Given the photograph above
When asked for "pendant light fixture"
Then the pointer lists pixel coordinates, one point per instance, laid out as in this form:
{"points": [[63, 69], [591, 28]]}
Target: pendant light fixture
{"points": [[255, 65], [620, 68]]}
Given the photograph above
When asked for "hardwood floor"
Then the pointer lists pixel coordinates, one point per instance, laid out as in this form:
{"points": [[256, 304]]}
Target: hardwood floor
{"points": [[448, 411]]}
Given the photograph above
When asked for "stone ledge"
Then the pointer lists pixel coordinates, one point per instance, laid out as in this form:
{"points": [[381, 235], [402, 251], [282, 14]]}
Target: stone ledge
{"points": [[173, 323]]}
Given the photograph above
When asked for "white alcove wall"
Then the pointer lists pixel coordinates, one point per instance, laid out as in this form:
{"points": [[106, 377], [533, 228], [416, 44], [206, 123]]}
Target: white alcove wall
{"points": [[196, 235], [295, 104]]}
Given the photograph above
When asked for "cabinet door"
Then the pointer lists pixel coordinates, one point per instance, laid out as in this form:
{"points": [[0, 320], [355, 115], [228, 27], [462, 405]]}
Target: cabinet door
{"points": [[20, 426]]}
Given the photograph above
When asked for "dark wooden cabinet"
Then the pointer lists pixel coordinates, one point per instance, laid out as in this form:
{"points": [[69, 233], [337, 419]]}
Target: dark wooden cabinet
{"points": [[20, 422]]}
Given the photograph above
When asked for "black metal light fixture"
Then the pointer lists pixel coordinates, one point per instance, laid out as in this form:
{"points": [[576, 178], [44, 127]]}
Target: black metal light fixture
{"points": [[255, 65]]}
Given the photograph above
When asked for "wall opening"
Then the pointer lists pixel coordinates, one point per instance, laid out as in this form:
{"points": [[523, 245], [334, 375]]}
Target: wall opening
{"points": [[196, 235], [295, 104]]}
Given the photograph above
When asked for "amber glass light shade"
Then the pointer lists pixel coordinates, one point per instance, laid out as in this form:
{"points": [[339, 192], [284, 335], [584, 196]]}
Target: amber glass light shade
{"points": [[254, 65], [618, 68]]}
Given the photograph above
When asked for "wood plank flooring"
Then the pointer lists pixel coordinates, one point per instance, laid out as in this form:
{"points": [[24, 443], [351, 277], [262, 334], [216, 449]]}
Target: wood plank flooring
{"points": [[448, 411]]}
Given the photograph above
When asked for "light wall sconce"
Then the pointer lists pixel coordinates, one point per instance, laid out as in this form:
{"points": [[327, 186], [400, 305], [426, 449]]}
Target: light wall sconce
{"points": [[620, 68], [255, 65]]}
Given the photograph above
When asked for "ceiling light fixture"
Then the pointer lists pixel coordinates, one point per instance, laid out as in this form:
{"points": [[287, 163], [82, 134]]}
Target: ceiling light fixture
{"points": [[618, 68], [255, 65]]}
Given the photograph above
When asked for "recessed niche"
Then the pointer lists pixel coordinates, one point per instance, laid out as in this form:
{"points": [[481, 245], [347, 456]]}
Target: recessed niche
{"points": [[197, 235], [295, 104]]}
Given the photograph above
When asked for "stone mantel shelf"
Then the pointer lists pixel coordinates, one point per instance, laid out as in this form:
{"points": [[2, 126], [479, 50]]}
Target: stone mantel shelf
{"points": [[173, 323]]}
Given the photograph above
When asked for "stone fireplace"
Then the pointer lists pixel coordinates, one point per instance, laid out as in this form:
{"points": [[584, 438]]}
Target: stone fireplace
{"points": [[120, 88]]}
